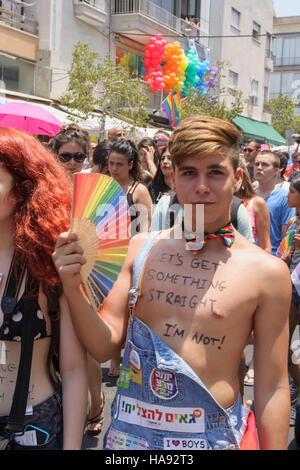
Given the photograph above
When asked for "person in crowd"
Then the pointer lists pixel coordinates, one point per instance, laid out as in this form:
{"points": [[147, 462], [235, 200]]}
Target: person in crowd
{"points": [[186, 336], [260, 223], [100, 158], [250, 151], [293, 259], [290, 170], [266, 171], [115, 134], [257, 210], [282, 182], [35, 205], [149, 158], [296, 166], [71, 145], [96, 416], [124, 167], [161, 137], [161, 183]]}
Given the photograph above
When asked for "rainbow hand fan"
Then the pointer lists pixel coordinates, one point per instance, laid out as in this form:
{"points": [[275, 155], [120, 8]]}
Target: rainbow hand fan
{"points": [[285, 245], [100, 218]]}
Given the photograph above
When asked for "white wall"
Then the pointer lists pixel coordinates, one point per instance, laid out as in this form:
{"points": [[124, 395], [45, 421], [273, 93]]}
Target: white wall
{"points": [[59, 30], [245, 54]]}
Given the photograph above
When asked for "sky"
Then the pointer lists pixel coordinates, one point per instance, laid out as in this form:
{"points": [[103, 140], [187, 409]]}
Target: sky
{"points": [[287, 7]]}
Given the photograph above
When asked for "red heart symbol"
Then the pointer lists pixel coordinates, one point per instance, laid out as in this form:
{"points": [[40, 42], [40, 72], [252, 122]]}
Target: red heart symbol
{"points": [[175, 443]]}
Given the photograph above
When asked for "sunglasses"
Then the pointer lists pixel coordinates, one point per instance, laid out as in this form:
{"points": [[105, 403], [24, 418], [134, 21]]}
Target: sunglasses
{"points": [[67, 157], [250, 150]]}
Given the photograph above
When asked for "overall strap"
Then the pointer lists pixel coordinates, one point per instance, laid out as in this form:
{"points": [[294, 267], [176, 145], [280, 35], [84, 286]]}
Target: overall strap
{"points": [[137, 268], [141, 257]]}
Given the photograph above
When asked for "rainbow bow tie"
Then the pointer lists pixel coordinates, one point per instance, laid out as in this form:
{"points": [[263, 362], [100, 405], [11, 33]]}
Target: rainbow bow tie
{"points": [[195, 242]]}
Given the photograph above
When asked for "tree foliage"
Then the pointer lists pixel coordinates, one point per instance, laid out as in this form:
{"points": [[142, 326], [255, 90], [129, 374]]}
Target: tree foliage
{"points": [[215, 102], [98, 84], [282, 110]]}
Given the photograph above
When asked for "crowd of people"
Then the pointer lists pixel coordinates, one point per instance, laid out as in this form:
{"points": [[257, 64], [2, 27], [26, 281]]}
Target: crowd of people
{"points": [[189, 306]]}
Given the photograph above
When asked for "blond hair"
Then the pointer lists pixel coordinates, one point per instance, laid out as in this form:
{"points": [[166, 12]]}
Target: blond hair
{"points": [[204, 135]]}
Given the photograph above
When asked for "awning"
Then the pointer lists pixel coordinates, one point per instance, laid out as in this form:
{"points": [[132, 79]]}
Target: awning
{"points": [[258, 130]]}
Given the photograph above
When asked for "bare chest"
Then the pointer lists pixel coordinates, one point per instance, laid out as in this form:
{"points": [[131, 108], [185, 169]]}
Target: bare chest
{"points": [[192, 300]]}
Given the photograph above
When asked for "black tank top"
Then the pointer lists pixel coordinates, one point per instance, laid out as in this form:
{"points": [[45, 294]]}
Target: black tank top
{"points": [[133, 214]]}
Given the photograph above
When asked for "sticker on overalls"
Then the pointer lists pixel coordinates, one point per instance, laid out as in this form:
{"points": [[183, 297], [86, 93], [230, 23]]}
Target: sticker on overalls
{"points": [[163, 384], [185, 444], [124, 378], [117, 440], [162, 418], [135, 367]]}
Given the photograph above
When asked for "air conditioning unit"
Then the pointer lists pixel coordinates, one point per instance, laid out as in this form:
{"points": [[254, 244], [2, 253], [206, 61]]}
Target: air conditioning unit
{"points": [[253, 100]]}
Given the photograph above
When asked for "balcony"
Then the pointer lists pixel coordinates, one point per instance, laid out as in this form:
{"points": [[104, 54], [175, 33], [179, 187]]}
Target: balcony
{"points": [[18, 32], [91, 11], [269, 61], [12, 14], [139, 19]]}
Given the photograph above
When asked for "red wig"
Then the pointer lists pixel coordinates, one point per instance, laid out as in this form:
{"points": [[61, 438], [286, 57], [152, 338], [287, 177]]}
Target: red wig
{"points": [[43, 195]]}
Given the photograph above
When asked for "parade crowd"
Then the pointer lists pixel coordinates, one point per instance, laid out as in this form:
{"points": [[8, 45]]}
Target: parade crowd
{"points": [[182, 310]]}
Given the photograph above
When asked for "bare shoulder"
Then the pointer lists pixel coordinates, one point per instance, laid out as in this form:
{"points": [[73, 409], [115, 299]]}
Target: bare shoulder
{"points": [[259, 203], [268, 268]]}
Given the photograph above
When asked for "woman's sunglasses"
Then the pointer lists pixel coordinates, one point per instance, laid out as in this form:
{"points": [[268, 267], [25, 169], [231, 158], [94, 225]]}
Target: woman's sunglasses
{"points": [[67, 157], [250, 150]]}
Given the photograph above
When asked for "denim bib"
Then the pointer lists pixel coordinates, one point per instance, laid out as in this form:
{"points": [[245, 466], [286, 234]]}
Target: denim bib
{"points": [[161, 404]]}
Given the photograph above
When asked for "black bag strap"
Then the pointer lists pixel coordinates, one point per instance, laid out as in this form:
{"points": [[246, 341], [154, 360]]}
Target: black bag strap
{"points": [[236, 202], [16, 419]]}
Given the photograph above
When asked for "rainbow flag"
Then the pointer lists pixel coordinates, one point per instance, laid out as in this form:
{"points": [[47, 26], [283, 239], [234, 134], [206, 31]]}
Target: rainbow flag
{"points": [[171, 106]]}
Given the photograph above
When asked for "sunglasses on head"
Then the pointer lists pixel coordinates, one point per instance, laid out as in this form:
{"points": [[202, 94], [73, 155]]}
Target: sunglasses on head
{"points": [[250, 150], [65, 157]]}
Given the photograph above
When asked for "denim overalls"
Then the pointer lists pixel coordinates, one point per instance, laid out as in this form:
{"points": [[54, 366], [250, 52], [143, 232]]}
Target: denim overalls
{"points": [[161, 404]]}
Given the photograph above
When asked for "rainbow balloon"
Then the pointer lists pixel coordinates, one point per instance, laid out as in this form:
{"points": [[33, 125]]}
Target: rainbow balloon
{"points": [[100, 218], [285, 245]]}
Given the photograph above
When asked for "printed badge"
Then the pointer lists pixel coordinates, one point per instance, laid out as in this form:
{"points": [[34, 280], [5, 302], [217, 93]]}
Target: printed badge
{"points": [[163, 384], [124, 378], [185, 444], [117, 440], [135, 367], [162, 418]]}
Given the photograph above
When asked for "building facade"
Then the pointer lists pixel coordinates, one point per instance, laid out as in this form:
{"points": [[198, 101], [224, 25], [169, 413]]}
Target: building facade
{"points": [[37, 64], [241, 37], [286, 76]]}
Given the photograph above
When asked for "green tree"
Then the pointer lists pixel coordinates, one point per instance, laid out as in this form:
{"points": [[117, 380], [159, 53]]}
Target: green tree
{"points": [[98, 84], [215, 102], [282, 110]]}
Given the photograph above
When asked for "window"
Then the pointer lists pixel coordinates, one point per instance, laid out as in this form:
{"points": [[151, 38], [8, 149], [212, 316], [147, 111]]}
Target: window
{"points": [[256, 31], [275, 84], [130, 60], [235, 18], [233, 79], [190, 9], [17, 75], [266, 94], [254, 92]]}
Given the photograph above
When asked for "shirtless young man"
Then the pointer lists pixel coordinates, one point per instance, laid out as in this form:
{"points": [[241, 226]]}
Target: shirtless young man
{"points": [[193, 316]]}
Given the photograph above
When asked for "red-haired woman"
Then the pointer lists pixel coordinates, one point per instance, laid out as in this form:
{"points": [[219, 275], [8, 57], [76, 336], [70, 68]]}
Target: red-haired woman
{"points": [[35, 201]]}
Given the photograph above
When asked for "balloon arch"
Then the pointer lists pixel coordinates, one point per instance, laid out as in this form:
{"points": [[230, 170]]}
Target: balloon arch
{"points": [[169, 68]]}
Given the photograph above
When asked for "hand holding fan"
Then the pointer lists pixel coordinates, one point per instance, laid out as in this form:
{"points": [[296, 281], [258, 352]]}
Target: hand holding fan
{"points": [[100, 219], [285, 245]]}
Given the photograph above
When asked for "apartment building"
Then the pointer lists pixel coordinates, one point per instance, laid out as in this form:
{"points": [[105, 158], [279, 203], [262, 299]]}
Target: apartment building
{"points": [[286, 49], [19, 46], [241, 36], [36, 51]]}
